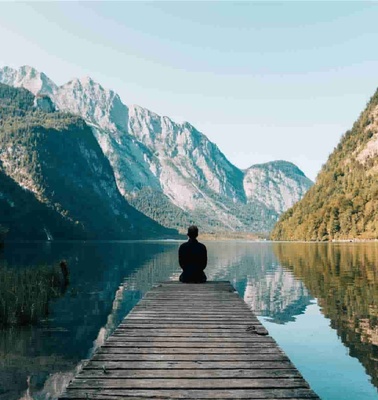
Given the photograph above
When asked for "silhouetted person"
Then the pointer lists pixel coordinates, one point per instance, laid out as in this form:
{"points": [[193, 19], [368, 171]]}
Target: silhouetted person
{"points": [[193, 258]]}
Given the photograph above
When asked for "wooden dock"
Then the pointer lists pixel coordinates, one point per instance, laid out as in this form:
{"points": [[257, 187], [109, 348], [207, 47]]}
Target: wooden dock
{"points": [[190, 341]]}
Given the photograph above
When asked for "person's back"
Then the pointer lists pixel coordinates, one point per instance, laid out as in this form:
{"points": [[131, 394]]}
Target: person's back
{"points": [[193, 258]]}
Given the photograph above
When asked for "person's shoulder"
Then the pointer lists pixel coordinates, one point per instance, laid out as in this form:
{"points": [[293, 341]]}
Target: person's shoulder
{"points": [[202, 245], [183, 244]]}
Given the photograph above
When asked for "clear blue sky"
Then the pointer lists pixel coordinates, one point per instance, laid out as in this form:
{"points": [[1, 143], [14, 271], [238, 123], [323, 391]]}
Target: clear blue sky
{"points": [[264, 81]]}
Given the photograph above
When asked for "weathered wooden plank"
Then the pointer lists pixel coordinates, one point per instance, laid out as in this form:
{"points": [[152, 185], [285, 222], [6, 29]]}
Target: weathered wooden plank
{"points": [[198, 310], [205, 315], [183, 383], [179, 285], [199, 319], [168, 283], [192, 332], [206, 364], [199, 305], [194, 305], [182, 296], [181, 322], [192, 294], [195, 313], [150, 309], [189, 357], [206, 293], [115, 397], [201, 344], [210, 326], [193, 320], [194, 288], [190, 373], [191, 394], [202, 308], [219, 295], [118, 349], [200, 301], [192, 291], [196, 299], [191, 338]]}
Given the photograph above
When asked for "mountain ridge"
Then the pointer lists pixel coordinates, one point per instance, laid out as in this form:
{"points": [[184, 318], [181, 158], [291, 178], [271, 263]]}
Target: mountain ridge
{"points": [[51, 163], [184, 169]]}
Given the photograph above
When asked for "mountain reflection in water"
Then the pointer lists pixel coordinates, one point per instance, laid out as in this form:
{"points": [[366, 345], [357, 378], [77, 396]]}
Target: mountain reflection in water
{"points": [[277, 280], [343, 277]]}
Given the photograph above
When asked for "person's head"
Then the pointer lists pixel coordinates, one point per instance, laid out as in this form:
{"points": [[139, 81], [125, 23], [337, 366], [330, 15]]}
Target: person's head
{"points": [[192, 232]]}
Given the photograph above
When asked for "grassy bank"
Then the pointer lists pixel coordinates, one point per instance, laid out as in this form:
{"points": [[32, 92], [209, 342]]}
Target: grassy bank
{"points": [[25, 293]]}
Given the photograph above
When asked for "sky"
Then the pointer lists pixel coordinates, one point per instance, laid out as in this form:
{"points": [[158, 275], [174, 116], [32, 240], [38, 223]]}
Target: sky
{"points": [[263, 80]]}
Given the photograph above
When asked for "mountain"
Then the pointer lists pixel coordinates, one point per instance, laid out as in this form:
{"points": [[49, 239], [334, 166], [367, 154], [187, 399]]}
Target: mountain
{"points": [[278, 184], [343, 203], [55, 180], [170, 171]]}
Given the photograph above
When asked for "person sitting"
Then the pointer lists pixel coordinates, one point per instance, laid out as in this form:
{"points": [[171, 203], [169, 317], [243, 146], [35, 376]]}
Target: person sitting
{"points": [[192, 258]]}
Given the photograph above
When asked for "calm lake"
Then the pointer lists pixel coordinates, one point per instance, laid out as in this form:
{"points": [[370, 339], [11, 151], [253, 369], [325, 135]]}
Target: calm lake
{"points": [[318, 301]]}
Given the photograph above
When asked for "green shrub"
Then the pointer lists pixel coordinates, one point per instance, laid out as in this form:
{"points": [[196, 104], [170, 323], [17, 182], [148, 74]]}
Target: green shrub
{"points": [[25, 293]]}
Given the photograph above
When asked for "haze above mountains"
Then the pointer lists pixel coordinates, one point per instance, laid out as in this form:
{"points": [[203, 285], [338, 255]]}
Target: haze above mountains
{"points": [[168, 171]]}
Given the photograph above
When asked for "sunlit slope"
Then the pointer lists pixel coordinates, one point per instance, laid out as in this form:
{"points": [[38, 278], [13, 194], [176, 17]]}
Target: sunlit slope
{"points": [[343, 203]]}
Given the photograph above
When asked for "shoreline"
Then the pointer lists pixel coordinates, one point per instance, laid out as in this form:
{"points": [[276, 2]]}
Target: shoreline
{"points": [[204, 236]]}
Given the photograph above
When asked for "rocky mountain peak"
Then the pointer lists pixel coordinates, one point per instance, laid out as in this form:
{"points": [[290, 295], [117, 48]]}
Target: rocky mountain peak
{"points": [[157, 161], [286, 167], [28, 78], [90, 100], [86, 83], [279, 183]]}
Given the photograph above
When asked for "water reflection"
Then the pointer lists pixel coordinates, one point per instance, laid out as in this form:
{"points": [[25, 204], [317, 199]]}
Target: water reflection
{"points": [[108, 279], [253, 269], [38, 362], [343, 277]]}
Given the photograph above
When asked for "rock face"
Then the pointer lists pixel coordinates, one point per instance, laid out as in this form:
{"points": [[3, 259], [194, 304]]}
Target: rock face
{"points": [[170, 171], [277, 184], [56, 181], [343, 204], [28, 78], [44, 103]]}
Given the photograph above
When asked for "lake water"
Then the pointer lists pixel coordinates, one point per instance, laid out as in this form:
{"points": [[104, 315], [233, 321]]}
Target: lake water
{"points": [[318, 301]]}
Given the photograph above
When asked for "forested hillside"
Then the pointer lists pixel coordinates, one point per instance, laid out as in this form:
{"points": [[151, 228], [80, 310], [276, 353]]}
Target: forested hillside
{"points": [[51, 163], [343, 203]]}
